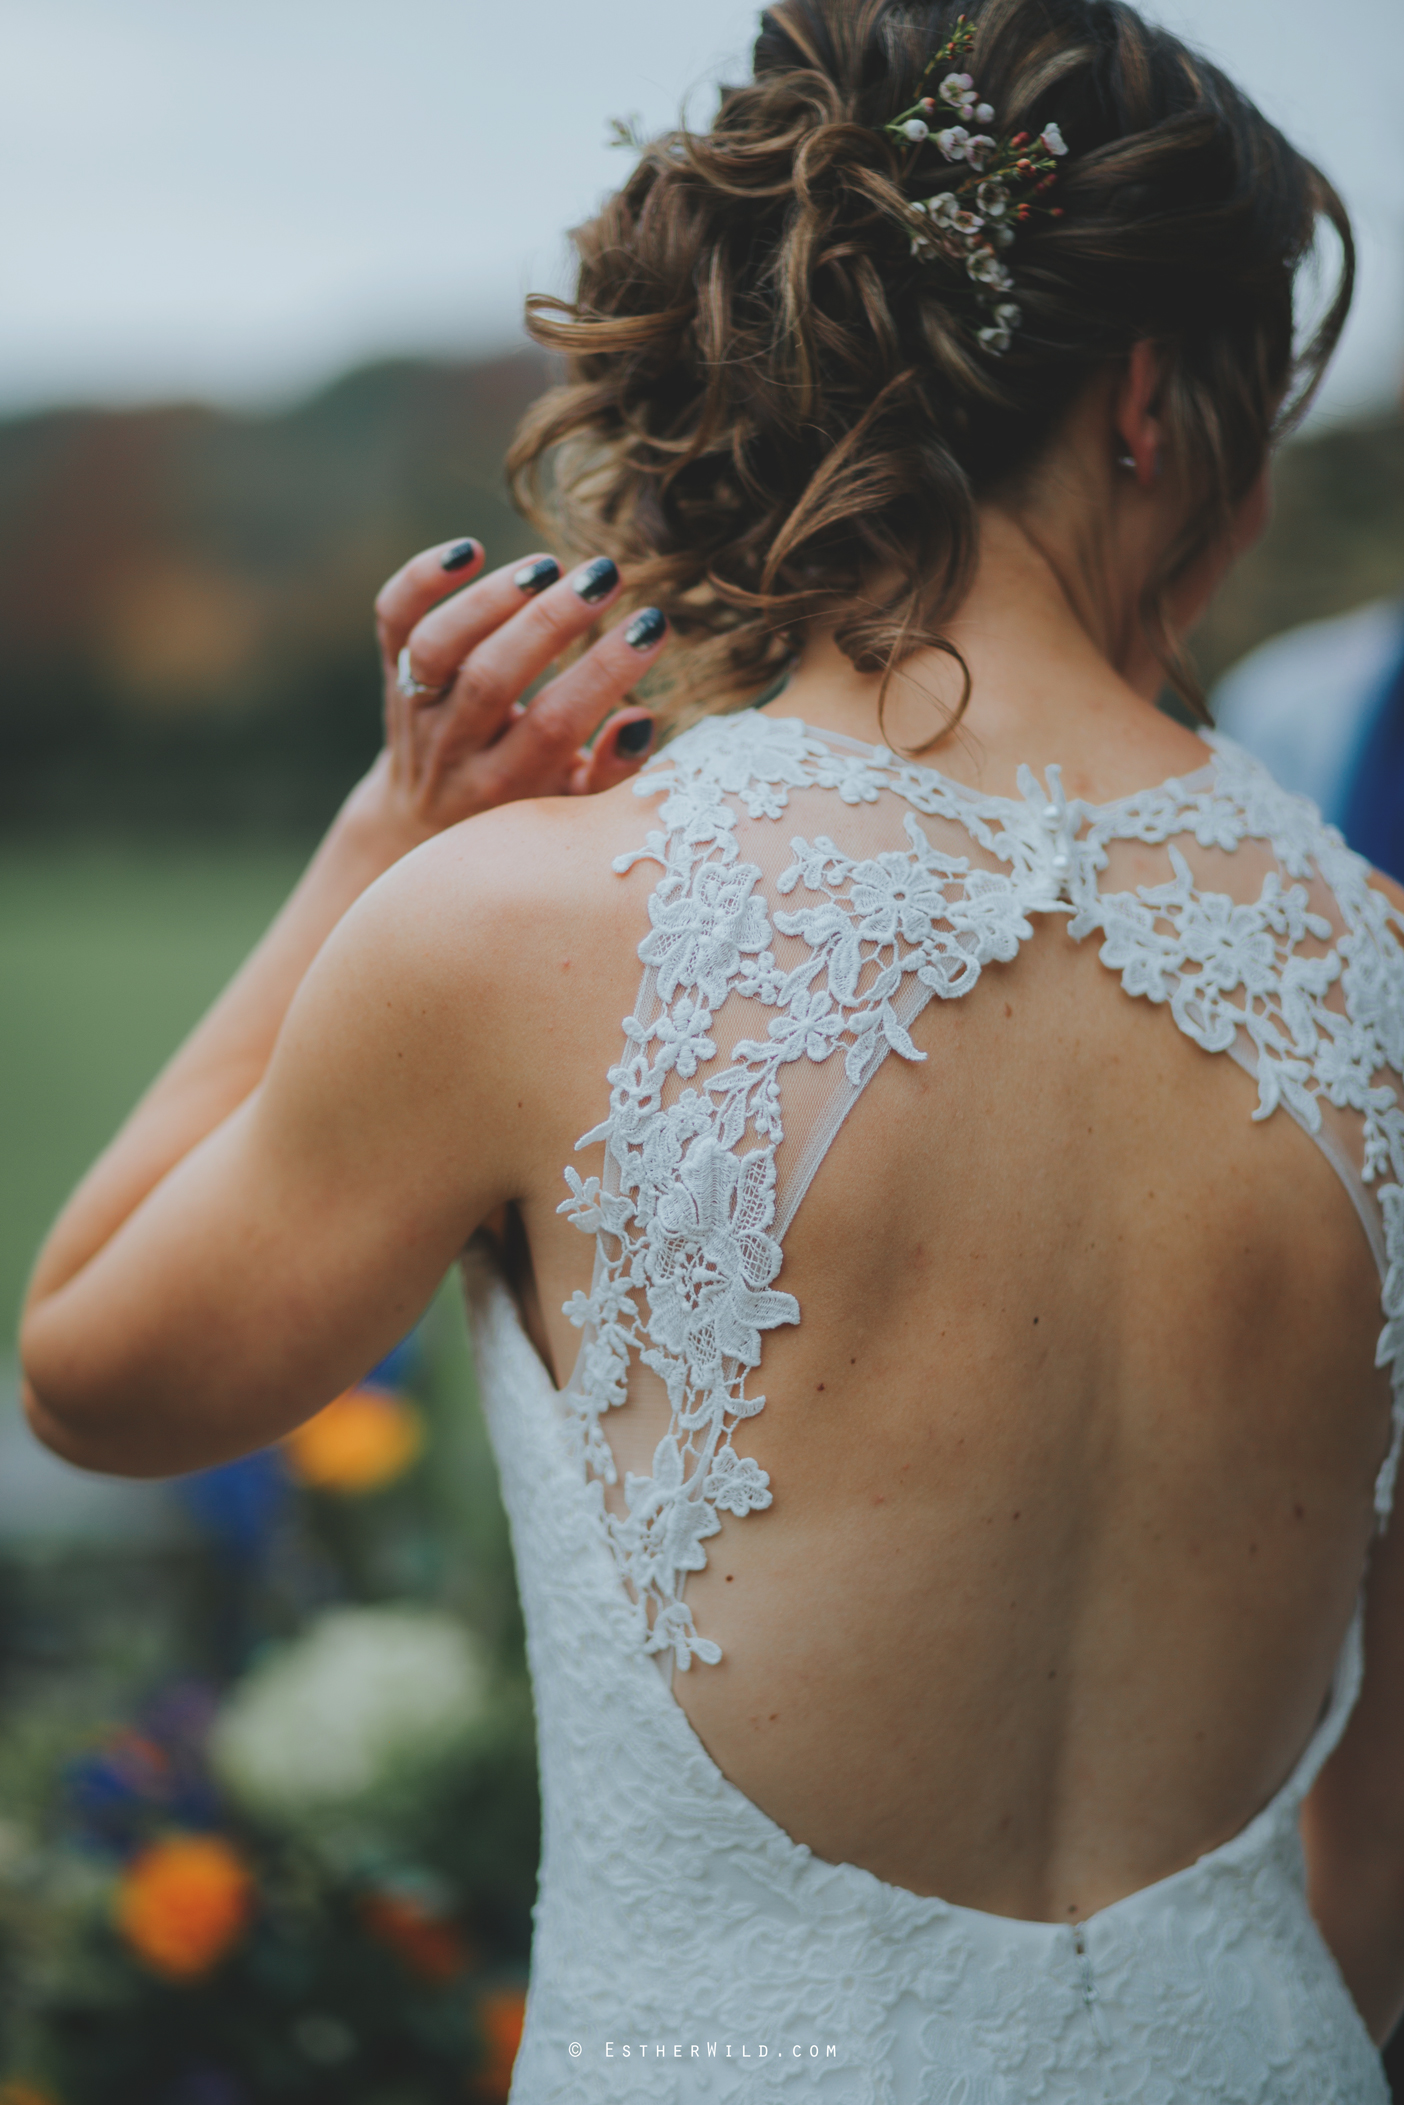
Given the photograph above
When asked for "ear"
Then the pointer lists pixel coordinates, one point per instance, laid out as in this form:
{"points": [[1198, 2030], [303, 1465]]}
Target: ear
{"points": [[1137, 428]]}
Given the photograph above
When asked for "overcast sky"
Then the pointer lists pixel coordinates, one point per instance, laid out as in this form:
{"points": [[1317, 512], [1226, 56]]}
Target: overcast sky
{"points": [[239, 201]]}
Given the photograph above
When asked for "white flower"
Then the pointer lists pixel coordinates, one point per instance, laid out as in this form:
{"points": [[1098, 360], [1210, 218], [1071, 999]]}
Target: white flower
{"points": [[985, 268], [698, 941], [683, 1038], [955, 90], [984, 113], [1009, 316], [916, 131], [737, 1485], [592, 1209], [946, 212], [1052, 140], [710, 1261], [810, 1024], [891, 892], [995, 339], [338, 1710], [981, 150], [993, 198], [954, 142]]}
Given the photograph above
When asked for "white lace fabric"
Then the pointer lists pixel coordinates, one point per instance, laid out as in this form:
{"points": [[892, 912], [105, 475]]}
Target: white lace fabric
{"points": [[812, 896]]}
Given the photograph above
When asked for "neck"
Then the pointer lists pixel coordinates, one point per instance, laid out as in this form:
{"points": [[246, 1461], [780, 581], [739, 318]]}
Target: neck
{"points": [[1043, 682]]}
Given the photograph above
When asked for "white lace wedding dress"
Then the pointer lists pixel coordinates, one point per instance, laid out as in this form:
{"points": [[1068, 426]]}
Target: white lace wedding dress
{"points": [[812, 896]]}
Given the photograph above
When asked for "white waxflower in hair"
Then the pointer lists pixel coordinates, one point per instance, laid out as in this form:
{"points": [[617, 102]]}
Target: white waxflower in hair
{"points": [[985, 210], [985, 268]]}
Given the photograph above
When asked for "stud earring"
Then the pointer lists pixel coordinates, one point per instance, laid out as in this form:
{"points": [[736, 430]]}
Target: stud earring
{"points": [[1126, 460]]}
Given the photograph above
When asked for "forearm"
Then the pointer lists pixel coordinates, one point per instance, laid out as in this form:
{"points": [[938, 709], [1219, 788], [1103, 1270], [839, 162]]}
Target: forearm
{"points": [[224, 1058]]}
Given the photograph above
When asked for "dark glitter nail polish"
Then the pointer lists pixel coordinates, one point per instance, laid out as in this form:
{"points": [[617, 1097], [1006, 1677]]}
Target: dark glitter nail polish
{"points": [[460, 555], [596, 580], [536, 576], [645, 629], [635, 738]]}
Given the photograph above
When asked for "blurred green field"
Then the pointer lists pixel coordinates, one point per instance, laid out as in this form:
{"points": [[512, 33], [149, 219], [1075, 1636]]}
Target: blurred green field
{"points": [[108, 954]]}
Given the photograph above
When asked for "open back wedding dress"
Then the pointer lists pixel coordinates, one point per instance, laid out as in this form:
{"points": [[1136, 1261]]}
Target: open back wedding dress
{"points": [[812, 896]]}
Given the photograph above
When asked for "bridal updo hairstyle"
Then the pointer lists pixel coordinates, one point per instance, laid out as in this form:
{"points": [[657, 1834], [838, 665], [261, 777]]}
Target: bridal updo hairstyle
{"points": [[776, 414]]}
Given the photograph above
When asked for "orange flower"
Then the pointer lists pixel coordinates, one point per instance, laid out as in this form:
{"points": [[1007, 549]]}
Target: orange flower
{"points": [[429, 1944], [500, 2015], [362, 1440], [183, 1903]]}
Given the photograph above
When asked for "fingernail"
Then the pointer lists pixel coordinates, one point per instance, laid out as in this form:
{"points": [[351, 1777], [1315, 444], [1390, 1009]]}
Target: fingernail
{"points": [[597, 580], [646, 629], [460, 555], [537, 575], [636, 737]]}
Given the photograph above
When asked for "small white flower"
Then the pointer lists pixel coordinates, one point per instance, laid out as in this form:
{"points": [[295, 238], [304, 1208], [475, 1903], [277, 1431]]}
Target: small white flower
{"points": [[916, 131], [1002, 234], [955, 89], [984, 113], [985, 268], [1009, 316], [980, 150], [993, 199], [1051, 138], [953, 143], [995, 339]]}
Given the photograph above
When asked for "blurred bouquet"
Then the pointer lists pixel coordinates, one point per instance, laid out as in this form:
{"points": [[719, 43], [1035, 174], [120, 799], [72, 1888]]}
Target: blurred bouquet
{"points": [[308, 1875]]}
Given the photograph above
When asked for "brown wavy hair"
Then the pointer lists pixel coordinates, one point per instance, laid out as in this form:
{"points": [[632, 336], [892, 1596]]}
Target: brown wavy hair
{"points": [[776, 416]]}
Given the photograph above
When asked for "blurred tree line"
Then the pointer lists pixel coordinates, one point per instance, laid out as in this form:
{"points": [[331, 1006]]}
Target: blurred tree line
{"points": [[185, 592]]}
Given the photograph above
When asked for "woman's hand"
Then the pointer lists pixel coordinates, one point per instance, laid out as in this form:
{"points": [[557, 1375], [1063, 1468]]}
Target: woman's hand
{"points": [[458, 659]]}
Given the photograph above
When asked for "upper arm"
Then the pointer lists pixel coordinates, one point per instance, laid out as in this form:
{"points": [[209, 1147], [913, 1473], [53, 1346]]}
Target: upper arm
{"points": [[296, 1243]]}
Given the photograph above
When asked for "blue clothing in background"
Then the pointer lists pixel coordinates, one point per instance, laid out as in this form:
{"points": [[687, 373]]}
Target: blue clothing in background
{"points": [[1323, 707], [1374, 811]]}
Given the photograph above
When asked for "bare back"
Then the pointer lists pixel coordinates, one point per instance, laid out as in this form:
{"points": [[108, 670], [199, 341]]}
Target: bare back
{"points": [[1028, 1581]]}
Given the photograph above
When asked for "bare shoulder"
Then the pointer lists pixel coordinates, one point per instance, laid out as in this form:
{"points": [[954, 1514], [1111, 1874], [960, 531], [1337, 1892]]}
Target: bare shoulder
{"points": [[477, 910]]}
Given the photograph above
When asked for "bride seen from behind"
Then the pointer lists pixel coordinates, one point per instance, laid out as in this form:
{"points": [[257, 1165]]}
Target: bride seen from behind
{"points": [[944, 1471]]}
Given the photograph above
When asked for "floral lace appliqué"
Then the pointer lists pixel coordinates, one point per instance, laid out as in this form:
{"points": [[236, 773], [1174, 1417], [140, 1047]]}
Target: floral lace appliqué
{"points": [[684, 1216]]}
